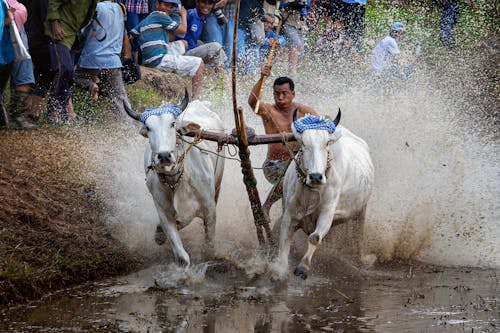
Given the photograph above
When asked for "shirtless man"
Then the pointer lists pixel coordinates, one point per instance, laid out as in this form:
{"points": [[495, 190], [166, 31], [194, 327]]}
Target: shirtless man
{"points": [[277, 118]]}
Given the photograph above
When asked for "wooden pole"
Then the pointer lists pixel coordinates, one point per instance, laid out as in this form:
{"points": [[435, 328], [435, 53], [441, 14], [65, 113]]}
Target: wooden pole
{"points": [[244, 153], [269, 61]]}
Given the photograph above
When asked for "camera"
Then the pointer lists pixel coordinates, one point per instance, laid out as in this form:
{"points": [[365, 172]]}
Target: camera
{"points": [[221, 19]]}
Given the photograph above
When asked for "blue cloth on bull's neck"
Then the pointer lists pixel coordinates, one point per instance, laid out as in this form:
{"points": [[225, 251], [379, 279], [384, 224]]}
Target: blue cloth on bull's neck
{"points": [[169, 108], [313, 122]]}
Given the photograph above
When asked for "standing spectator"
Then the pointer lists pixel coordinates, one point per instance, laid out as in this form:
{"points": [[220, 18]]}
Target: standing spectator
{"points": [[354, 20], [22, 77], [153, 34], [228, 30], [105, 40], [449, 17], [7, 56], [250, 34], [294, 25], [64, 20], [39, 51], [384, 62], [137, 10], [212, 52]]}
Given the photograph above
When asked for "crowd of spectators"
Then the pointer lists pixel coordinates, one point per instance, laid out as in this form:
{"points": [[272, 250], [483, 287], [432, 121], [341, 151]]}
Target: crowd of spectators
{"points": [[85, 42]]}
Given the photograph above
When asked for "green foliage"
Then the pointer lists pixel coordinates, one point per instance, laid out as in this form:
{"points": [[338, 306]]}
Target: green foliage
{"points": [[422, 18], [143, 96]]}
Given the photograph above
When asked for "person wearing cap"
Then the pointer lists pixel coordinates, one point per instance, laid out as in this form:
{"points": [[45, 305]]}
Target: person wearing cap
{"points": [[385, 53], [153, 34]]}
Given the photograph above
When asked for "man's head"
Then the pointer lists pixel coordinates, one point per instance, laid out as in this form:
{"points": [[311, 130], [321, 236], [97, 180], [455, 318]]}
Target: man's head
{"points": [[268, 20], [204, 6], [397, 29], [283, 92], [166, 6]]}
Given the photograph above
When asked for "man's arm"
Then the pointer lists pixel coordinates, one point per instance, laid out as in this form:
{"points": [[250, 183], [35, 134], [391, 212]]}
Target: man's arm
{"points": [[254, 93], [182, 28]]}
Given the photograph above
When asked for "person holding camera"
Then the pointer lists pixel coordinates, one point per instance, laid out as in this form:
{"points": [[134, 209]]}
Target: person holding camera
{"points": [[211, 52], [214, 21]]}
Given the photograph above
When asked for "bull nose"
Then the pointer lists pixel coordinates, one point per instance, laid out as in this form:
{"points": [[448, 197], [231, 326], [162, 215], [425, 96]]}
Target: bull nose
{"points": [[165, 157], [315, 178]]}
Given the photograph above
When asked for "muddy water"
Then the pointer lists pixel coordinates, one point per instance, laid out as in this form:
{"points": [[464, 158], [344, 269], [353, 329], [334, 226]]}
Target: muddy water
{"points": [[217, 297]]}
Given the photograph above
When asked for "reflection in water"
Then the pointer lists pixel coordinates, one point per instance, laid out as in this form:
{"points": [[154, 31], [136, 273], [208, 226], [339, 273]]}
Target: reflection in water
{"points": [[392, 299]]}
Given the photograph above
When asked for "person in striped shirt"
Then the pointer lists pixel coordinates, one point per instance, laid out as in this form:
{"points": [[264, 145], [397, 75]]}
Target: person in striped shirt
{"points": [[153, 34]]}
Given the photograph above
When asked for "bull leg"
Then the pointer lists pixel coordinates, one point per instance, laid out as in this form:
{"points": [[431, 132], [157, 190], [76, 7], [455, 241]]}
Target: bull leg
{"points": [[209, 225], [323, 225], [285, 237], [169, 226]]}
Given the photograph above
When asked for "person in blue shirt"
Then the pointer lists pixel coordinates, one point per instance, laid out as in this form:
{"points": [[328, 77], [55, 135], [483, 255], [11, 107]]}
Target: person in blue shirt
{"points": [[153, 34], [7, 56], [100, 60], [270, 34], [211, 53]]}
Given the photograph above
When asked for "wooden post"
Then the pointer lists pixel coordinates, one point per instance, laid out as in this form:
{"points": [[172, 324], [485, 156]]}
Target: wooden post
{"points": [[244, 153]]}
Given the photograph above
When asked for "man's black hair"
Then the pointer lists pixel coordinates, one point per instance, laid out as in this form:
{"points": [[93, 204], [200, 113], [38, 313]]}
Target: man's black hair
{"points": [[282, 80]]}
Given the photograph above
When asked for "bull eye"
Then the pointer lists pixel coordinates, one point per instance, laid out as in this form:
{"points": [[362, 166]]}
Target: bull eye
{"points": [[173, 125], [147, 128]]}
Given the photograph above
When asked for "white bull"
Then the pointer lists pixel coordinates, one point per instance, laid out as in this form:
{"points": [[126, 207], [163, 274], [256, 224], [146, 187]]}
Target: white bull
{"points": [[329, 181], [182, 176]]}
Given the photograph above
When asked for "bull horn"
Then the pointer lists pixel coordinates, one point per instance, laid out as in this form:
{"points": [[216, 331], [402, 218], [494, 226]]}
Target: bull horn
{"points": [[295, 114], [185, 101], [131, 112], [336, 121]]}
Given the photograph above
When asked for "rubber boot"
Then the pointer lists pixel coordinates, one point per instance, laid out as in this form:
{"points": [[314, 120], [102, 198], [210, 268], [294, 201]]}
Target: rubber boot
{"points": [[19, 111], [35, 106]]}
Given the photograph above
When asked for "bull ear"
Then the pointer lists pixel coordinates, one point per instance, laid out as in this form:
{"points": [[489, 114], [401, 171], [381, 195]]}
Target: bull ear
{"points": [[336, 121], [144, 131], [131, 112], [295, 114], [185, 101]]}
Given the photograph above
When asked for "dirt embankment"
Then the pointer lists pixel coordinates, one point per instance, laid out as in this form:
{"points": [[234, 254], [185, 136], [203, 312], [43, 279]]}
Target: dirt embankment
{"points": [[52, 218], [52, 222]]}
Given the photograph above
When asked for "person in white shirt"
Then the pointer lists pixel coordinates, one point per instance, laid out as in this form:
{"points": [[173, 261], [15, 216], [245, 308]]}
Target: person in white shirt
{"points": [[384, 56]]}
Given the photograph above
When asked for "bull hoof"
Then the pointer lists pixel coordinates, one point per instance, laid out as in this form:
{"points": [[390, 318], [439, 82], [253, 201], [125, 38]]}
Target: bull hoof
{"points": [[160, 237], [182, 262], [299, 272]]}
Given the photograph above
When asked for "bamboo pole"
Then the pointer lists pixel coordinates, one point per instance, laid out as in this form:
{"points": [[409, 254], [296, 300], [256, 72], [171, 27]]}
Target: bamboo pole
{"points": [[269, 61], [244, 153]]}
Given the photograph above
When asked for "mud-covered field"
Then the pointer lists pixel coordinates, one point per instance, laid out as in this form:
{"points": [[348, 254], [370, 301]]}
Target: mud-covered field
{"points": [[217, 297]]}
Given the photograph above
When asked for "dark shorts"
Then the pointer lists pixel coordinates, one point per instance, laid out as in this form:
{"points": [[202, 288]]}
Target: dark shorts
{"points": [[274, 170]]}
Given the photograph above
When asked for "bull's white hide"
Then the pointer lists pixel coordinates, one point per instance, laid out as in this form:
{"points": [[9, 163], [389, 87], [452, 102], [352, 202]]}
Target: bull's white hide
{"points": [[340, 196], [196, 192]]}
